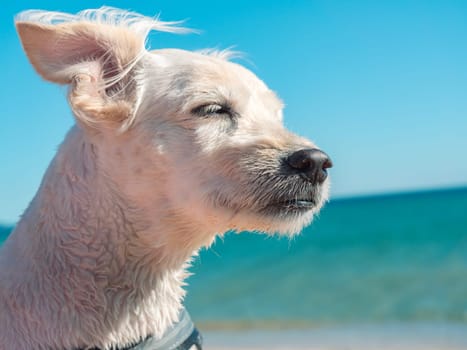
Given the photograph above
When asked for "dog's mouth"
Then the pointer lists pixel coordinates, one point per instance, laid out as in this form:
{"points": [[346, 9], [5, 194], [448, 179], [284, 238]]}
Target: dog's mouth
{"points": [[291, 206], [296, 204]]}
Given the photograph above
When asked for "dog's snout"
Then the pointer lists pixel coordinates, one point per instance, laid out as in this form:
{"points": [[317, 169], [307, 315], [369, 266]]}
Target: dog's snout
{"points": [[311, 163]]}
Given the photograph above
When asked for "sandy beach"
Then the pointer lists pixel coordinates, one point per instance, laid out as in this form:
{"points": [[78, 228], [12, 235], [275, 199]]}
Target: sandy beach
{"points": [[387, 337]]}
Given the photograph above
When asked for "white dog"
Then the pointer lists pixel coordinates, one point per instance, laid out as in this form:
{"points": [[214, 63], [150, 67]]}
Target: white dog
{"points": [[170, 148]]}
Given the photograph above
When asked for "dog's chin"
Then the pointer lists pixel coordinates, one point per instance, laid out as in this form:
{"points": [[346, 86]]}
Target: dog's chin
{"points": [[289, 216], [286, 217], [275, 220]]}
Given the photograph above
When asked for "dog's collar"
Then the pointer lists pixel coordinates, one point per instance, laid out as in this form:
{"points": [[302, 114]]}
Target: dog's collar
{"points": [[181, 336]]}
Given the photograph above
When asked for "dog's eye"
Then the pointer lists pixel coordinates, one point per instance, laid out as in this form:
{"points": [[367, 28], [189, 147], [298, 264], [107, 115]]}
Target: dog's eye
{"points": [[212, 110]]}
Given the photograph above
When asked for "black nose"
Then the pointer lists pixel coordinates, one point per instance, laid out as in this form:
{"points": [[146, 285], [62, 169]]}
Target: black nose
{"points": [[311, 163]]}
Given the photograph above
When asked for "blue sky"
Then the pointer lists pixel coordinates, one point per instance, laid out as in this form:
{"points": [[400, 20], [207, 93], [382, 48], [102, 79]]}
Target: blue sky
{"points": [[380, 85]]}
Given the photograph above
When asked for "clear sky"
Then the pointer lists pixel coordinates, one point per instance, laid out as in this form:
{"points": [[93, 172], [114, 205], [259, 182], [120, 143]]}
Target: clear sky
{"points": [[380, 85]]}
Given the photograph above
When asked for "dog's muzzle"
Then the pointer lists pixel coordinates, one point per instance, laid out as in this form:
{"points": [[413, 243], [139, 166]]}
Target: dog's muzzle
{"points": [[299, 189]]}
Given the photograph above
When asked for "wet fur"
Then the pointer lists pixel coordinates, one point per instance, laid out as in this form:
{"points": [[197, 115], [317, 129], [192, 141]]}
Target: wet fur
{"points": [[140, 183]]}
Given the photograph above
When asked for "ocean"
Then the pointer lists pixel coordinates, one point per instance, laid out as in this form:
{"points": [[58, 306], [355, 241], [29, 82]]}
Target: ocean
{"points": [[386, 259], [373, 260]]}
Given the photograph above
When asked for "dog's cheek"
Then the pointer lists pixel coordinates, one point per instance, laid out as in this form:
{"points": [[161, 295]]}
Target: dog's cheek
{"points": [[188, 196], [212, 135]]}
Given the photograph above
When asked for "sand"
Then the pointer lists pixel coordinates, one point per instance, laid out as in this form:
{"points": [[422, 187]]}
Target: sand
{"points": [[365, 337]]}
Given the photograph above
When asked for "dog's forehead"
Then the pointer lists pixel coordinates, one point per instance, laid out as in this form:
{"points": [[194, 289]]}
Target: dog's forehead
{"points": [[209, 75]]}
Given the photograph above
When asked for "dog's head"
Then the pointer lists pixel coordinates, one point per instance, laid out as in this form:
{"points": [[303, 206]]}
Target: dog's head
{"points": [[186, 136]]}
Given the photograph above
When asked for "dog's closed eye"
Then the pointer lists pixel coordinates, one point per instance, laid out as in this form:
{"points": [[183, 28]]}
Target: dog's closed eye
{"points": [[213, 110]]}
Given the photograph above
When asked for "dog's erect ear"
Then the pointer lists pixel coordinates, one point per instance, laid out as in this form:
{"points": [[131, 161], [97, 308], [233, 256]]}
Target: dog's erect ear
{"points": [[96, 52], [92, 58]]}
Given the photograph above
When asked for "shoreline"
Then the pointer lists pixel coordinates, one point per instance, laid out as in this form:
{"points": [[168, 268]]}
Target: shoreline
{"points": [[395, 336]]}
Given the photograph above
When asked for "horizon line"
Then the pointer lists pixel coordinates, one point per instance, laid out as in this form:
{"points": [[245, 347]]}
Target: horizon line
{"points": [[399, 192], [369, 195]]}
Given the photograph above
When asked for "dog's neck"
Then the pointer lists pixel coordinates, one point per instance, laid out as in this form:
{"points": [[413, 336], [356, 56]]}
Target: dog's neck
{"points": [[88, 254]]}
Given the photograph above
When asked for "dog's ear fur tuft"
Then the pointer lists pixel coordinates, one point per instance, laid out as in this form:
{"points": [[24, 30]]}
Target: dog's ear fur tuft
{"points": [[96, 53]]}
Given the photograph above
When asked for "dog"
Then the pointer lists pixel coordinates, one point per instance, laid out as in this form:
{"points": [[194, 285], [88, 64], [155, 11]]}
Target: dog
{"points": [[170, 149]]}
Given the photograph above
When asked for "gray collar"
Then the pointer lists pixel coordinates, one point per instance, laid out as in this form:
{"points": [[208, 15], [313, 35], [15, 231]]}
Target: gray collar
{"points": [[180, 336]]}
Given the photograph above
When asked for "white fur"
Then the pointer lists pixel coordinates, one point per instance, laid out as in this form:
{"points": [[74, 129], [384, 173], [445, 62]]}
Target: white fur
{"points": [[106, 16], [139, 184]]}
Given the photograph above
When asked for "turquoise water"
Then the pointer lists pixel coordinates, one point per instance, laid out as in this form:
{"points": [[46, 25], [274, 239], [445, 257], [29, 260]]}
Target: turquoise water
{"points": [[4, 231], [399, 258]]}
